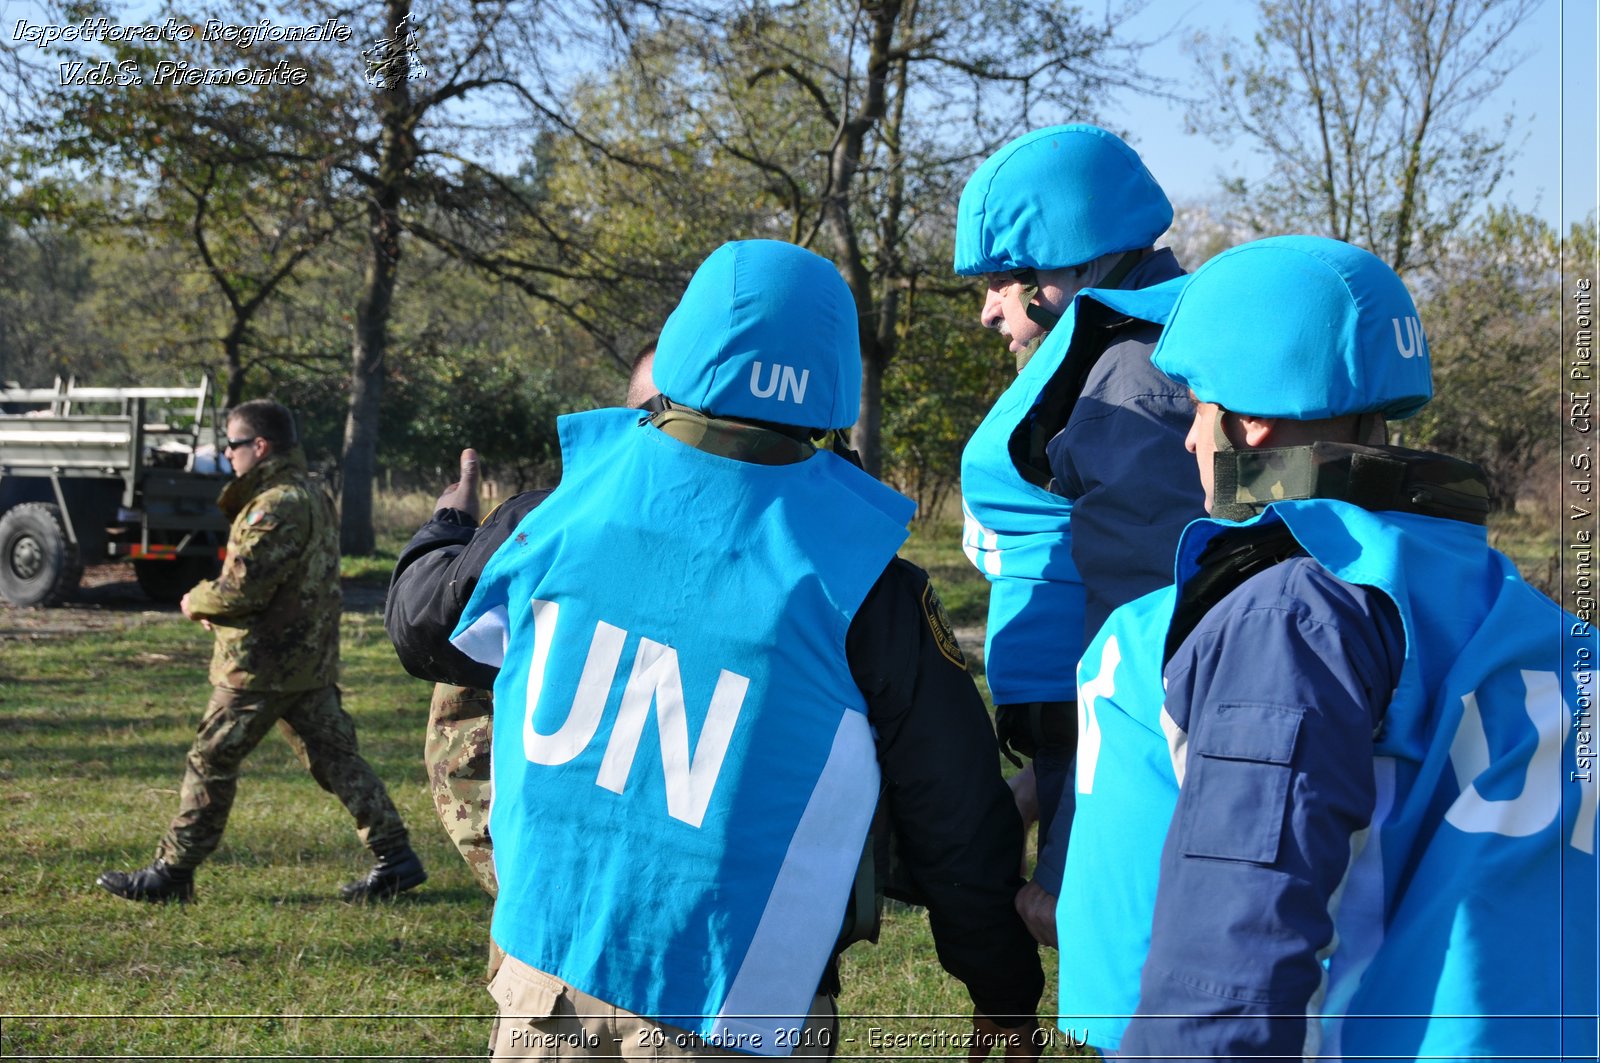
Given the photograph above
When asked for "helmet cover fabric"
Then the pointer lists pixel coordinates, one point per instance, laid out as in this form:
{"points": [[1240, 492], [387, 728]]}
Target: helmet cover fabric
{"points": [[1057, 197], [766, 331], [1302, 327]]}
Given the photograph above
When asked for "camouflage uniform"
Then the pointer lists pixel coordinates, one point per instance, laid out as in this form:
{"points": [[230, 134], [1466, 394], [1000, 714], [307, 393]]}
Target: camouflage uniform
{"points": [[460, 730], [460, 733], [274, 611]]}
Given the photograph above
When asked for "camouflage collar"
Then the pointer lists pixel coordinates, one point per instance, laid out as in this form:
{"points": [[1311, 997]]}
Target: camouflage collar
{"points": [[731, 439], [1374, 478], [278, 467]]}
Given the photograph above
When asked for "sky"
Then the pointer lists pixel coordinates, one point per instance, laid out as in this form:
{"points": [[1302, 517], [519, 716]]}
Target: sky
{"points": [[1552, 95]]}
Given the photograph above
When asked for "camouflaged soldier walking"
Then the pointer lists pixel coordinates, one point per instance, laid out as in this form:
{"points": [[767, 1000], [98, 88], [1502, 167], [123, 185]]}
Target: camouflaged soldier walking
{"points": [[275, 614]]}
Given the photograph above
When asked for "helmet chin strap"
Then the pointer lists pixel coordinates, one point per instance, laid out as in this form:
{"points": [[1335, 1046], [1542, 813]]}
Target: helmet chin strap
{"points": [[1048, 319], [1030, 349], [1220, 436], [1224, 472], [1037, 313], [1045, 319], [1371, 424]]}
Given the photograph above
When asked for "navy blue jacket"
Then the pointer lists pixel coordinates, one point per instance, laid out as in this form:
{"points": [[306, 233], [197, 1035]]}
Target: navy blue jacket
{"points": [[1134, 487], [1238, 921], [1122, 461]]}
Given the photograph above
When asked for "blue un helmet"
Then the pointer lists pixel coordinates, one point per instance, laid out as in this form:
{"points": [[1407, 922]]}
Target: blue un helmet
{"points": [[1057, 197], [1301, 327], [766, 331]]}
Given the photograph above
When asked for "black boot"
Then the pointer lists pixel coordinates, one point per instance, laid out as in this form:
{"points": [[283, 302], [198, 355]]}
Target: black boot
{"points": [[157, 883], [395, 872]]}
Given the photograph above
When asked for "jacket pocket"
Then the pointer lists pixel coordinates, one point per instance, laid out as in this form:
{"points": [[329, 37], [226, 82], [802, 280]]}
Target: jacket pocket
{"points": [[1236, 792]]}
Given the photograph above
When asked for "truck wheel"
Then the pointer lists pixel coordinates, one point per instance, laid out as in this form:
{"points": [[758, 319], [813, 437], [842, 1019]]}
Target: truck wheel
{"points": [[38, 566], [168, 581]]}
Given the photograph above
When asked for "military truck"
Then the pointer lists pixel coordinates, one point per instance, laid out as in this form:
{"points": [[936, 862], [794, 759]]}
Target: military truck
{"points": [[91, 474]]}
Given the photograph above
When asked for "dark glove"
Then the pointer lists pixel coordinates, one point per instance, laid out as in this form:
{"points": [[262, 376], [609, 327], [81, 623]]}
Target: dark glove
{"points": [[1026, 728]]}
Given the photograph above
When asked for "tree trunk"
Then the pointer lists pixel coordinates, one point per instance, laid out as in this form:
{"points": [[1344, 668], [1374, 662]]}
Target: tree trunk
{"points": [[233, 352], [867, 439], [356, 534], [879, 351], [843, 163], [397, 155]]}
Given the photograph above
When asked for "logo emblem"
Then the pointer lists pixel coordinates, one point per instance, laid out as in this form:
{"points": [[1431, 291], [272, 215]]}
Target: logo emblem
{"points": [[393, 59], [782, 381], [1408, 338], [944, 633]]}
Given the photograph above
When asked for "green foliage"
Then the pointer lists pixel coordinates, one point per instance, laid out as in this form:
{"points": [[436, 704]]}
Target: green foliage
{"points": [[170, 232], [847, 130], [947, 373], [1492, 318], [473, 364], [46, 278], [505, 410], [218, 194]]}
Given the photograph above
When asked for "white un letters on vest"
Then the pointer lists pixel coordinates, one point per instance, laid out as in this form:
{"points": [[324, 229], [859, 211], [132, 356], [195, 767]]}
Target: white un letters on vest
{"points": [[655, 678], [981, 545], [1536, 806], [1103, 685], [1539, 802], [782, 380]]}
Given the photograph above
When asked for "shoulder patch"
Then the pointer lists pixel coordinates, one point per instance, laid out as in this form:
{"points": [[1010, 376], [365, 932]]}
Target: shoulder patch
{"points": [[261, 518], [944, 633]]}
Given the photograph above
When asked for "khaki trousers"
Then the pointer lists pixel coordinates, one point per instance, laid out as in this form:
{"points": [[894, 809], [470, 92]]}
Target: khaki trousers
{"points": [[321, 734], [544, 1018]]}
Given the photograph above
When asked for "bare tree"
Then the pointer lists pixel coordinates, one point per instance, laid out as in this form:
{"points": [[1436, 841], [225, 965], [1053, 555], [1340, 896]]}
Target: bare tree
{"points": [[1367, 111], [854, 123]]}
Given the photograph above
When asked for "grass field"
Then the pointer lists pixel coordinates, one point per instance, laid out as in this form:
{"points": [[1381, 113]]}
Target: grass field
{"points": [[268, 962]]}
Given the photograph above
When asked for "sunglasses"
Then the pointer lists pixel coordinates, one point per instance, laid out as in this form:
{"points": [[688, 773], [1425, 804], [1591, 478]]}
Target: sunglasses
{"points": [[234, 443]]}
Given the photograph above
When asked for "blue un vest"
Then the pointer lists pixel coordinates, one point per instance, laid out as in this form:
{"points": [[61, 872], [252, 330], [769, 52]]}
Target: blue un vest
{"points": [[1019, 534], [1125, 800], [694, 869], [1468, 919]]}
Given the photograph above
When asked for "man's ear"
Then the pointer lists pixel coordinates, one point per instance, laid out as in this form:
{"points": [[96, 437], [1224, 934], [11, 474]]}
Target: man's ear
{"points": [[1258, 431]]}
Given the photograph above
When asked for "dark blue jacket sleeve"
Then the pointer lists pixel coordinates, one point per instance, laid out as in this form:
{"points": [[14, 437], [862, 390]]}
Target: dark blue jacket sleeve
{"points": [[1133, 486], [432, 581], [953, 817], [1051, 864], [1279, 691]]}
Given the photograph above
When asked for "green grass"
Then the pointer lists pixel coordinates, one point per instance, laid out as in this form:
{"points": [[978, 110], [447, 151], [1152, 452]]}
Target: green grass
{"points": [[1531, 538], [936, 547], [95, 730], [268, 962], [374, 568]]}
